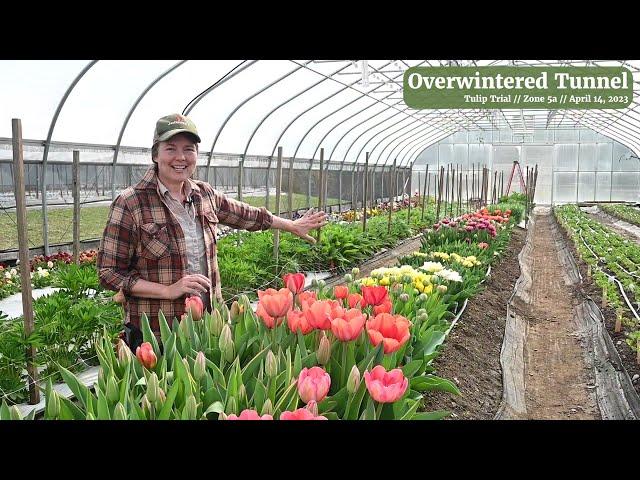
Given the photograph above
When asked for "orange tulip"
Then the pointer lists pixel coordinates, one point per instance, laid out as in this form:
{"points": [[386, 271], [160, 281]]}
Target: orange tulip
{"points": [[349, 326], [318, 314], [296, 320], [146, 355], [276, 303], [294, 282], [383, 308], [375, 295], [194, 303], [340, 291], [355, 300], [392, 330], [267, 319], [307, 296]]}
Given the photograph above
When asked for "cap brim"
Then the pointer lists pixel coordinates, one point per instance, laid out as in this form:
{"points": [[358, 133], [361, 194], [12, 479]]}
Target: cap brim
{"points": [[167, 135]]}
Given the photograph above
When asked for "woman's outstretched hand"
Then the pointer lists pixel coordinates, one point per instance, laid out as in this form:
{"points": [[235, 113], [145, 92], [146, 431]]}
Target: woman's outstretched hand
{"points": [[309, 221]]}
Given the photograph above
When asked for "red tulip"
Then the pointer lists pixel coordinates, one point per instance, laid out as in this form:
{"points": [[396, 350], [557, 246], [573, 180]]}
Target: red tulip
{"points": [[249, 415], [276, 303], [384, 308], [267, 319], [294, 282], [355, 300], [349, 326], [392, 330], [319, 314], [386, 387], [296, 320], [194, 303], [313, 384], [375, 295], [340, 291], [146, 355], [307, 296]]}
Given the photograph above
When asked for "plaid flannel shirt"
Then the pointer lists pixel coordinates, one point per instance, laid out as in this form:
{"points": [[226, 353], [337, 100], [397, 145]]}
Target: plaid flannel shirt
{"points": [[142, 240]]}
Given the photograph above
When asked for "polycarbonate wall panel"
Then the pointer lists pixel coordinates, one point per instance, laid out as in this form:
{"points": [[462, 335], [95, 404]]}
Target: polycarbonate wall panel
{"points": [[604, 156], [461, 155], [586, 186], [588, 135], [446, 154], [620, 162], [625, 186], [567, 136], [587, 158], [565, 157], [603, 186], [543, 157], [564, 187]]}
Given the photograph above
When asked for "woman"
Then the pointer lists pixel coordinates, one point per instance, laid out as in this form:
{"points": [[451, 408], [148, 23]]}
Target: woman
{"points": [[159, 245]]}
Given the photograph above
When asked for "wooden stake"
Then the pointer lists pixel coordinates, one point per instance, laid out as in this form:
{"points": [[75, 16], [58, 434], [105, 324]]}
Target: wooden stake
{"points": [[424, 190], [276, 234], [320, 189], [365, 192], [290, 189], [23, 255], [392, 174], [604, 297], [75, 171]]}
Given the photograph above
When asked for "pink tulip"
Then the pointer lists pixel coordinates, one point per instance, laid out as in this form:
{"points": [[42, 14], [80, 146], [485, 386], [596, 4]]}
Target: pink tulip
{"points": [[483, 245], [375, 295], [386, 387], [267, 319], [349, 326], [249, 415], [340, 292], [146, 355], [276, 303], [296, 320], [194, 303], [355, 300], [392, 330], [294, 282], [307, 296], [318, 314], [301, 414], [313, 384]]}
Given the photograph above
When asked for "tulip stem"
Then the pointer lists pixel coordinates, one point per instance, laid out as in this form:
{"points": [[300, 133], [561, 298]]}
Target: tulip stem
{"points": [[343, 372], [379, 410]]}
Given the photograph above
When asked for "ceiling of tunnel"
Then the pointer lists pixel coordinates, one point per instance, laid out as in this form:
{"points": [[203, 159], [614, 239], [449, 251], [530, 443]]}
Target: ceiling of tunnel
{"points": [[252, 107]]}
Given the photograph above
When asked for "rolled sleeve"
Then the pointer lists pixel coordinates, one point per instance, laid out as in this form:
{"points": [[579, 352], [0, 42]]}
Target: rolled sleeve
{"points": [[241, 215], [117, 248]]}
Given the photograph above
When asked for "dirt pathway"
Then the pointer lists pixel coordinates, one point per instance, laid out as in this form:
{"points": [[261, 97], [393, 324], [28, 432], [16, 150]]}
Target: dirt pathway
{"points": [[558, 378]]}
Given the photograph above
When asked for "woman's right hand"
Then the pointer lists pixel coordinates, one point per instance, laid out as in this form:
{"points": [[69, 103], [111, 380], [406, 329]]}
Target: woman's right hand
{"points": [[189, 285]]}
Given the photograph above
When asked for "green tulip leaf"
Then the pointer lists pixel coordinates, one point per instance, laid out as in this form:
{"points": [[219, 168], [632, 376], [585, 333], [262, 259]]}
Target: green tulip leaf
{"points": [[250, 368], [430, 382], [165, 412], [436, 415], [147, 334]]}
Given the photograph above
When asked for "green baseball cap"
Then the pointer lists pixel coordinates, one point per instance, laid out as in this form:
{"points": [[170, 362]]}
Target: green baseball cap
{"points": [[173, 124]]}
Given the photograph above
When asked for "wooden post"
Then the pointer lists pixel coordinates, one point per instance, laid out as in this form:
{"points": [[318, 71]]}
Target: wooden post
{"points": [[410, 192], [424, 189], [392, 174], [75, 173], [459, 192], [466, 184], [290, 189], [23, 255], [320, 172], [276, 234], [440, 180], [365, 192]]}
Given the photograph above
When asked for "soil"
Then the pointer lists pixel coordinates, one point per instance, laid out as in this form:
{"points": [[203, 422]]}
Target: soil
{"points": [[557, 373], [471, 355], [627, 355]]}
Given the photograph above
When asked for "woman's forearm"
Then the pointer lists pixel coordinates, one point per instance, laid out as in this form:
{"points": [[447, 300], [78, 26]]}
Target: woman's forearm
{"points": [[146, 289], [282, 223]]}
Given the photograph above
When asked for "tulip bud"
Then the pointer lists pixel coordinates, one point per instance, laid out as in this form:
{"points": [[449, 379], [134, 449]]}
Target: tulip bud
{"points": [[90, 416], [153, 388], [355, 271], [321, 283], [442, 289], [267, 408], [222, 416], [235, 310], [312, 406], [146, 404], [353, 382], [271, 365], [324, 350], [396, 288], [15, 413], [242, 394], [421, 311], [422, 298], [423, 317], [112, 390], [124, 353], [314, 283], [53, 405], [183, 326], [404, 297], [191, 407], [217, 323], [199, 366], [348, 278], [161, 396], [187, 367], [119, 412], [406, 278], [226, 343], [232, 405]]}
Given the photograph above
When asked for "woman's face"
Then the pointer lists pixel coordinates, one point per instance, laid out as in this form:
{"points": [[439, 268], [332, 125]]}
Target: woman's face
{"points": [[177, 158]]}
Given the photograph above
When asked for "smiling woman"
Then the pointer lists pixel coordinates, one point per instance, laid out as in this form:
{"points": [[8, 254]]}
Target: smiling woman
{"points": [[159, 245]]}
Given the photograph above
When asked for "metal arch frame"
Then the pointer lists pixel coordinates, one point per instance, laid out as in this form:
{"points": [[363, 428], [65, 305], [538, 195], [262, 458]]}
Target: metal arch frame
{"points": [[54, 119], [128, 117], [301, 92], [215, 140], [223, 80]]}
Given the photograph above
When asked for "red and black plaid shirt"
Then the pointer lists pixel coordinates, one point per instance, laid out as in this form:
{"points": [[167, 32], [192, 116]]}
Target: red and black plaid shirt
{"points": [[142, 239]]}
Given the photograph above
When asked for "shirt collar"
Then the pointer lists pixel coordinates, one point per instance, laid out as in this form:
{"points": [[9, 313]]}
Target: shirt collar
{"points": [[163, 190]]}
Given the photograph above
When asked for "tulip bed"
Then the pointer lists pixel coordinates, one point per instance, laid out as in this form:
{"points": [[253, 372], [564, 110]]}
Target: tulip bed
{"points": [[616, 255]]}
